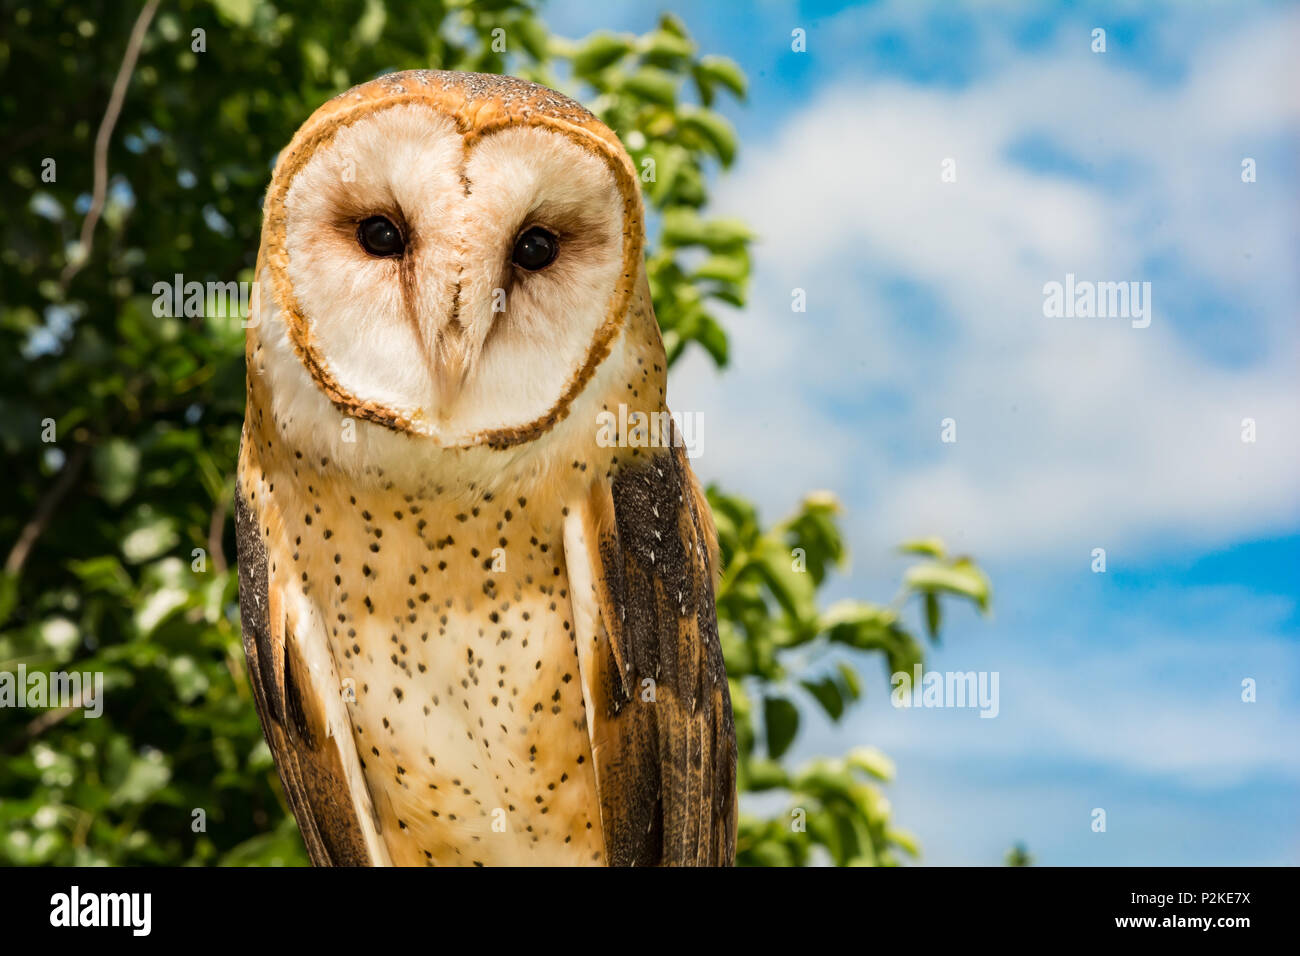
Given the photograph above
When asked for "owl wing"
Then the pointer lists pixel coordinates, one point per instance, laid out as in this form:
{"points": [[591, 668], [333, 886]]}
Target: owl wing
{"points": [[640, 553], [312, 747]]}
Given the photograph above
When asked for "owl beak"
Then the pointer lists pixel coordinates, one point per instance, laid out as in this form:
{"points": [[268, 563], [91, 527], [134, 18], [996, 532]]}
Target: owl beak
{"points": [[450, 366]]}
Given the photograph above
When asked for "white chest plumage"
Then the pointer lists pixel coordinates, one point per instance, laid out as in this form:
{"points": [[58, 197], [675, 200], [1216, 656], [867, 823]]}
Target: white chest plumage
{"points": [[451, 632]]}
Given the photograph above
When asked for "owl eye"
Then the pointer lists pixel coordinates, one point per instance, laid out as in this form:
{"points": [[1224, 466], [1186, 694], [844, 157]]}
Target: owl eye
{"points": [[535, 249], [379, 237]]}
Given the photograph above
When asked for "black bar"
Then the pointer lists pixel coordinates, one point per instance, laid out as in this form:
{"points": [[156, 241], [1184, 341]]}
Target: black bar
{"points": [[384, 907]]}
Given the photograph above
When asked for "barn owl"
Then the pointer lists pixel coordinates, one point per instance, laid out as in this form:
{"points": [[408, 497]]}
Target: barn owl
{"points": [[477, 633]]}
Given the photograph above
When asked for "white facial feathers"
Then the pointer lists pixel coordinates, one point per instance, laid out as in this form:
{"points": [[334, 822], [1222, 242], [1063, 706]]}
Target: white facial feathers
{"points": [[450, 334]]}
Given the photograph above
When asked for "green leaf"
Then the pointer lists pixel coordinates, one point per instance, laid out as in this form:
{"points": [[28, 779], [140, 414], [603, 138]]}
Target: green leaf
{"points": [[8, 594], [653, 85], [725, 267], [931, 547], [871, 627], [104, 573], [599, 51], [793, 590], [1018, 855], [673, 24], [769, 853], [116, 464], [317, 59], [189, 679], [238, 12], [724, 71], [933, 615], [371, 25], [858, 616], [904, 840], [871, 761], [713, 337], [148, 539], [961, 577], [664, 48], [684, 227], [158, 607], [532, 37], [765, 775], [145, 776], [850, 683], [827, 693], [669, 162], [781, 719]]}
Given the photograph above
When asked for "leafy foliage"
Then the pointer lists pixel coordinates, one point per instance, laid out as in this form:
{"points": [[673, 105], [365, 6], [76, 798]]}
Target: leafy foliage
{"points": [[782, 649], [121, 529], [1019, 855]]}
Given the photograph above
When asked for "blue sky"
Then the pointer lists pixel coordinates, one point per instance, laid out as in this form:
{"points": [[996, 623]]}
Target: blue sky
{"points": [[1119, 690]]}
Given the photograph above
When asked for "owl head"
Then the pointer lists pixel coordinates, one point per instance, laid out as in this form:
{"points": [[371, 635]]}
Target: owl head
{"points": [[447, 257]]}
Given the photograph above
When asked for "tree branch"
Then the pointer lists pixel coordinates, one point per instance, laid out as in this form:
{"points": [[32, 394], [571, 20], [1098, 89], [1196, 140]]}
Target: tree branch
{"points": [[45, 510], [102, 140], [216, 530]]}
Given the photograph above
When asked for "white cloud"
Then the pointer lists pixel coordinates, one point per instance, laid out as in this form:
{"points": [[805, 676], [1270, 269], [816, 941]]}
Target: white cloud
{"points": [[1163, 707], [1131, 683], [1073, 433]]}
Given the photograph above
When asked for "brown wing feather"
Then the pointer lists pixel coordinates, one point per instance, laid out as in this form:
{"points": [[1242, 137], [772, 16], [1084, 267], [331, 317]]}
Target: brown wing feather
{"points": [[310, 765], [665, 752]]}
